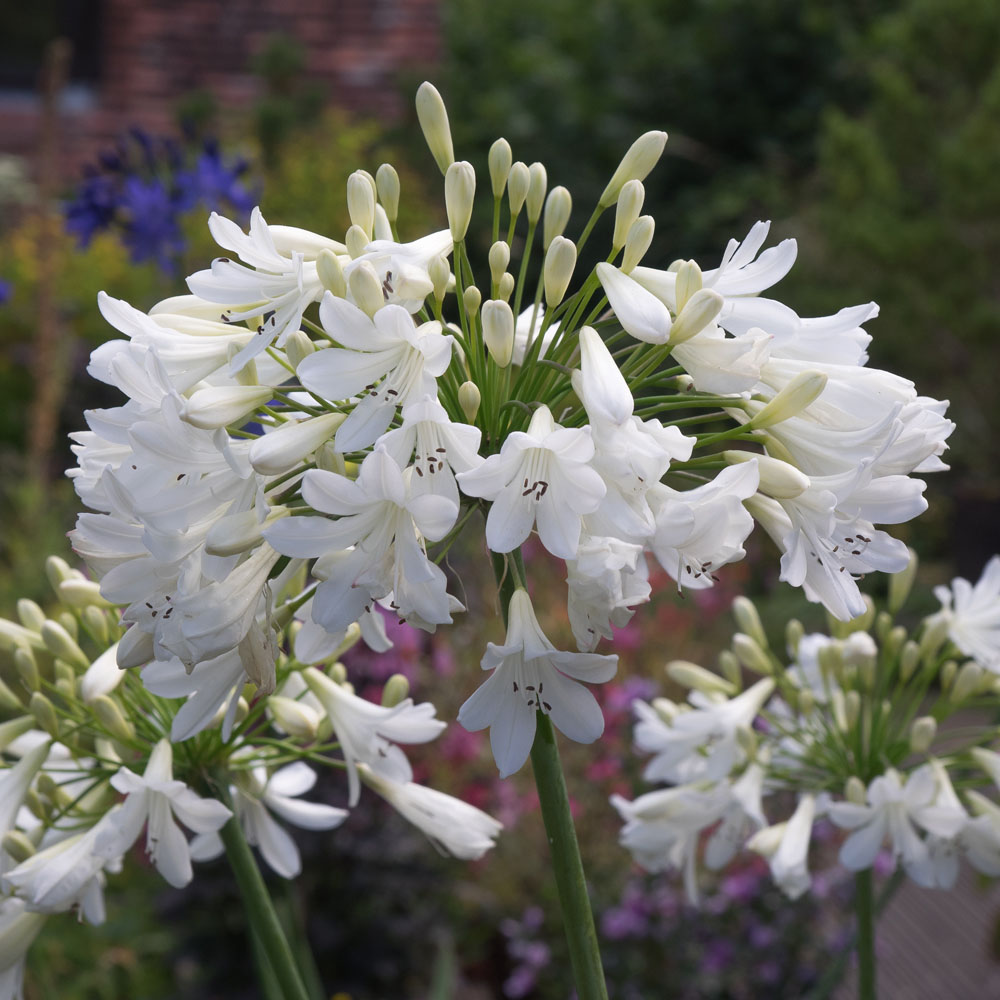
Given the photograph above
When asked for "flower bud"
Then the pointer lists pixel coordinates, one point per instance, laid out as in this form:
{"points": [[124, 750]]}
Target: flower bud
{"points": [[518, 181], [967, 682], [805, 701], [751, 655], [63, 672], [947, 675], [439, 271], [499, 163], [839, 710], [688, 282], [499, 258], [433, 120], [27, 669], [31, 615], [60, 643], [922, 733], [883, 626], [635, 165], [357, 241], [729, 667], [282, 449], [396, 689], [498, 330], [298, 347], [558, 207], [331, 273], [855, 791], [10, 730], [235, 533], [794, 631], [852, 708], [690, 675], [471, 299], [69, 622], [45, 714], [537, 185], [748, 620], [299, 720], [469, 398], [57, 570], [220, 406], [777, 479], [505, 287], [640, 236], [361, 202], [135, 648], [387, 186], [791, 401], [909, 657], [560, 261], [82, 594], [933, 637], [699, 311], [366, 289], [459, 192], [111, 718], [901, 583], [630, 200], [338, 673], [9, 701], [19, 847]]}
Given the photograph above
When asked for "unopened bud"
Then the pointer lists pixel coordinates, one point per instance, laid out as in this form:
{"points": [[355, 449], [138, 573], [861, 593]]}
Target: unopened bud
{"points": [[469, 398], [894, 642], [298, 347], [805, 701], [459, 192], [27, 669], [433, 118], [10, 730], [883, 625], [18, 846], [387, 186], [111, 718], [499, 163], [933, 637], [791, 401], [219, 406], [558, 207], [331, 273], [505, 287], [57, 570], [31, 615], [282, 449], [439, 271], [689, 281], [471, 298], [630, 200], [366, 289], [699, 311], [729, 667], [299, 720], [9, 701], [82, 593], [560, 261], [747, 740], [839, 710], [396, 689], [794, 631], [748, 620], [537, 185], [357, 241], [855, 791], [498, 330], [499, 258], [967, 682], [361, 202], [637, 241], [909, 657], [690, 675], [338, 673], [922, 733], [60, 643], [45, 714], [852, 708], [236, 533], [518, 181], [901, 583], [777, 479], [635, 165], [751, 655], [947, 675]]}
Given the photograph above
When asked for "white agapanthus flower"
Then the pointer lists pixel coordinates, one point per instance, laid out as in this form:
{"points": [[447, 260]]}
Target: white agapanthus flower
{"points": [[972, 613], [530, 676]]}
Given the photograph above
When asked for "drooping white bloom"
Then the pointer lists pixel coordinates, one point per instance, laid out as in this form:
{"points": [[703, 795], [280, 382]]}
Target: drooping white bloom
{"points": [[387, 361], [641, 313], [700, 530], [529, 676], [786, 847], [453, 826], [972, 612], [152, 801], [540, 476], [368, 732], [18, 929], [255, 798]]}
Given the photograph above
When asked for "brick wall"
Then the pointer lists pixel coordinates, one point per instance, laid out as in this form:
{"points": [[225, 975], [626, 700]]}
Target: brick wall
{"points": [[153, 51]]}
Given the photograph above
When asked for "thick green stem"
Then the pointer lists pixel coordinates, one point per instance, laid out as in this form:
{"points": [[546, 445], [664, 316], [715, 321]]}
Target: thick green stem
{"points": [[567, 866], [261, 913], [864, 906]]}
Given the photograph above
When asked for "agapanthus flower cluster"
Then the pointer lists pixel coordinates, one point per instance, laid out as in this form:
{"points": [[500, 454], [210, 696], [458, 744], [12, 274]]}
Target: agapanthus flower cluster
{"points": [[96, 759], [144, 186], [334, 410], [874, 728]]}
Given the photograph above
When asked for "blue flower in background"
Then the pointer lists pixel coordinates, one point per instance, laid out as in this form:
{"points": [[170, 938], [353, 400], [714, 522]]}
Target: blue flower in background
{"points": [[5, 290], [142, 188]]}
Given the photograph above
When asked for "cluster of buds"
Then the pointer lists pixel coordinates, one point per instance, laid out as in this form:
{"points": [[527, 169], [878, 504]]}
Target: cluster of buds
{"points": [[857, 727]]}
